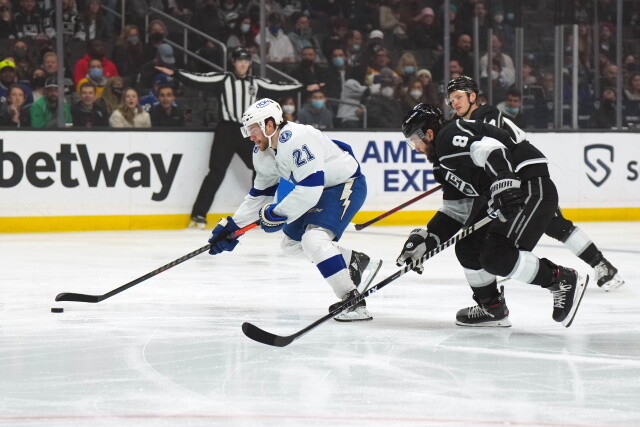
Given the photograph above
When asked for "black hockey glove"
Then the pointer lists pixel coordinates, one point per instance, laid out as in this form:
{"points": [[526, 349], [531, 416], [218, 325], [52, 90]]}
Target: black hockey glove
{"points": [[420, 241], [507, 199]]}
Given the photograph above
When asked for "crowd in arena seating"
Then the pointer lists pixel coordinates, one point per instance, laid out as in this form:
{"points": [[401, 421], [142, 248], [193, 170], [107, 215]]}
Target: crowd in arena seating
{"points": [[361, 61]]}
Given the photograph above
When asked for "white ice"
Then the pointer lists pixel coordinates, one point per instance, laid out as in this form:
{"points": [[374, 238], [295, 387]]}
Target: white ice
{"points": [[170, 351]]}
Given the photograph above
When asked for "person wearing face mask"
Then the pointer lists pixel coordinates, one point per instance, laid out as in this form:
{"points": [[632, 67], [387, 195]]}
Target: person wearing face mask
{"points": [[96, 49], [383, 108], [288, 105], [127, 54], [512, 107], [95, 76], [24, 62], [354, 51], [316, 113], [414, 94], [462, 96], [302, 37], [339, 71], [309, 73], [157, 32], [279, 47], [604, 117], [242, 36], [407, 67], [8, 77]]}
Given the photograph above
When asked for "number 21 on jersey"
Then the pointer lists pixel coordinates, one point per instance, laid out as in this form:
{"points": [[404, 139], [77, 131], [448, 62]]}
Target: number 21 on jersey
{"points": [[302, 156]]}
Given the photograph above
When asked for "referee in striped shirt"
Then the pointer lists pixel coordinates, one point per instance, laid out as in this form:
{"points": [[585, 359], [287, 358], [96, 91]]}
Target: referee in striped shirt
{"points": [[236, 91]]}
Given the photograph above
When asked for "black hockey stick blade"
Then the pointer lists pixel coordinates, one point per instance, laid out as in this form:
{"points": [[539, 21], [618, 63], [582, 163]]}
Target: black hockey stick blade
{"points": [[260, 335], [70, 296], [397, 208]]}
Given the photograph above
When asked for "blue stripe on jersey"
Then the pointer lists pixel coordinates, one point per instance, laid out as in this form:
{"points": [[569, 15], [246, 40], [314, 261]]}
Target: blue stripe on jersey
{"points": [[316, 179], [331, 266], [346, 147], [271, 191]]}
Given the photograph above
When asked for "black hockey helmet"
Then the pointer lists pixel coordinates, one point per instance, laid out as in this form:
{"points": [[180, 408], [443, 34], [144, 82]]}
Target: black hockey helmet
{"points": [[462, 83], [420, 118], [240, 53]]}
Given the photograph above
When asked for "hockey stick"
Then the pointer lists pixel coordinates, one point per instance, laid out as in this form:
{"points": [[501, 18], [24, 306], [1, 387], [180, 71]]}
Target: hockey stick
{"points": [[268, 338], [397, 208], [70, 296]]}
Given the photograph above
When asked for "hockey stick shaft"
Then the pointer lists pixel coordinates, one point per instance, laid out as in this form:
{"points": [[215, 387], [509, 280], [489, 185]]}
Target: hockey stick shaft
{"points": [[397, 208], [70, 296], [268, 338]]}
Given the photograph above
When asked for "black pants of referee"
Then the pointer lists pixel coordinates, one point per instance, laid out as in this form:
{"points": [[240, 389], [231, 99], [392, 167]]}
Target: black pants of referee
{"points": [[228, 140]]}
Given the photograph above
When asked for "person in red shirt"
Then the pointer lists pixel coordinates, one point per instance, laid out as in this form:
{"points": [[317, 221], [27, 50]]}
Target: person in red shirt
{"points": [[96, 48]]}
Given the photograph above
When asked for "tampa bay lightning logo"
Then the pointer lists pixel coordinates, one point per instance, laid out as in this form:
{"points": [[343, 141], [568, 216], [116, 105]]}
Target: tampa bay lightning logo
{"points": [[255, 149], [263, 103], [285, 136]]}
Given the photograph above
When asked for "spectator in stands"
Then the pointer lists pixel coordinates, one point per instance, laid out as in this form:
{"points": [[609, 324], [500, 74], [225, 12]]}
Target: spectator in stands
{"points": [[112, 96], [96, 24], [548, 86], [407, 67], [148, 71], [24, 63], [36, 84], [336, 38], [507, 69], [609, 76], [14, 111], [382, 59], [151, 98], [44, 111], [50, 66], [72, 23], [316, 113], [413, 95], [7, 28], [607, 39], [241, 36], [166, 112], [367, 17], [455, 29], [349, 115], [96, 49], [604, 116], [127, 54], [9, 77], [338, 73], [529, 77], [503, 30], [511, 107], [354, 49], [28, 22], [228, 7], [463, 52], [383, 108], [95, 76], [129, 113], [302, 37], [309, 73], [88, 113], [157, 32], [430, 92], [211, 20], [288, 105], [585, 43], [632, 90], [479, 9], [425, 32], [279, 47], [391, 23], [630, 63]]}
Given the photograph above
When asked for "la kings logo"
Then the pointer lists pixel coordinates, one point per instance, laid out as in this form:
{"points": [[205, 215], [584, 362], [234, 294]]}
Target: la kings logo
{"points": [[464, 187]]}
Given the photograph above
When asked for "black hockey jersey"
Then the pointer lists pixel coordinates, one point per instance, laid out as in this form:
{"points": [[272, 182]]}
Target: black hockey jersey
{"points": [[493, 116], [471, 154]]}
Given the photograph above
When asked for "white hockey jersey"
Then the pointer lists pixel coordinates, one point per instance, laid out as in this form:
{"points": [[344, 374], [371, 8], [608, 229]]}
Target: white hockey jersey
{"points": [[307, 158]]}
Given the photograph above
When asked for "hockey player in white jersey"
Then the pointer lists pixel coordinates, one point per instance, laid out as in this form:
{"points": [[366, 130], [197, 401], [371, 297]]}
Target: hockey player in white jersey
{"points": [[329, 190]]}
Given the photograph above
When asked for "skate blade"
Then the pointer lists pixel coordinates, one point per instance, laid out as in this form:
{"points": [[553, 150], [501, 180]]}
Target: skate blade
{"points": [[196, 225], [353, 316], [373, 268], [612, 284], [577, 299], [504, 323]]}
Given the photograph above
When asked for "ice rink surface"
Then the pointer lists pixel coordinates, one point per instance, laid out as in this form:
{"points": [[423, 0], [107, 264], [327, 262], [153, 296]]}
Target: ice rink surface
{"points": [[170, 351]]}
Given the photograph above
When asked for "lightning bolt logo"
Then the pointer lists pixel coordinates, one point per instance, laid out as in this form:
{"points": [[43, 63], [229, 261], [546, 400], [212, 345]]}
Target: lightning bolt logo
{"points": [[346, 193]]}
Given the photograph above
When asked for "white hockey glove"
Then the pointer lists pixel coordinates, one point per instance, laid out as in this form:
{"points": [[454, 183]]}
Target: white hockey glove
{"points": [[415, 247]]}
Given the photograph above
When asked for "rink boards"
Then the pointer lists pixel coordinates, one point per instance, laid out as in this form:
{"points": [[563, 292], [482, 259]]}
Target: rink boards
{"points": [[115, 180]]}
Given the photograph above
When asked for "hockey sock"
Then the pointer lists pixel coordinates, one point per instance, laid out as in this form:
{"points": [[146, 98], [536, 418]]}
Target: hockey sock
{"points": [[317, 245], [582, 246]]}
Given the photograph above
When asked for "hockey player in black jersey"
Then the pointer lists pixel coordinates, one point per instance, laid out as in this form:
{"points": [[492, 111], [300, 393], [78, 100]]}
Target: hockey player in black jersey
{"points": [[476, 162], [462, 93]]}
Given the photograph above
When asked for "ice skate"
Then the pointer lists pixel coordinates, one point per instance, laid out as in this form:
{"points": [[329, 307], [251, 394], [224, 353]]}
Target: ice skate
{"points": [[567, 289], [198, 221], [354, 314], [492, 313], [362, 270], [607, 276]]}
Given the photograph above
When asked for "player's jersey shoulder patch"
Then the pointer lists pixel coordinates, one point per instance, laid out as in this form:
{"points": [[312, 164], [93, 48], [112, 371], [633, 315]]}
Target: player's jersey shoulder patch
{"points": [[285, 136], [256, 149]]}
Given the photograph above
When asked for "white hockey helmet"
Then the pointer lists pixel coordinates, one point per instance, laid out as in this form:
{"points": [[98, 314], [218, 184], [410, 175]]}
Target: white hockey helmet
{"points": [[260, 111]]}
